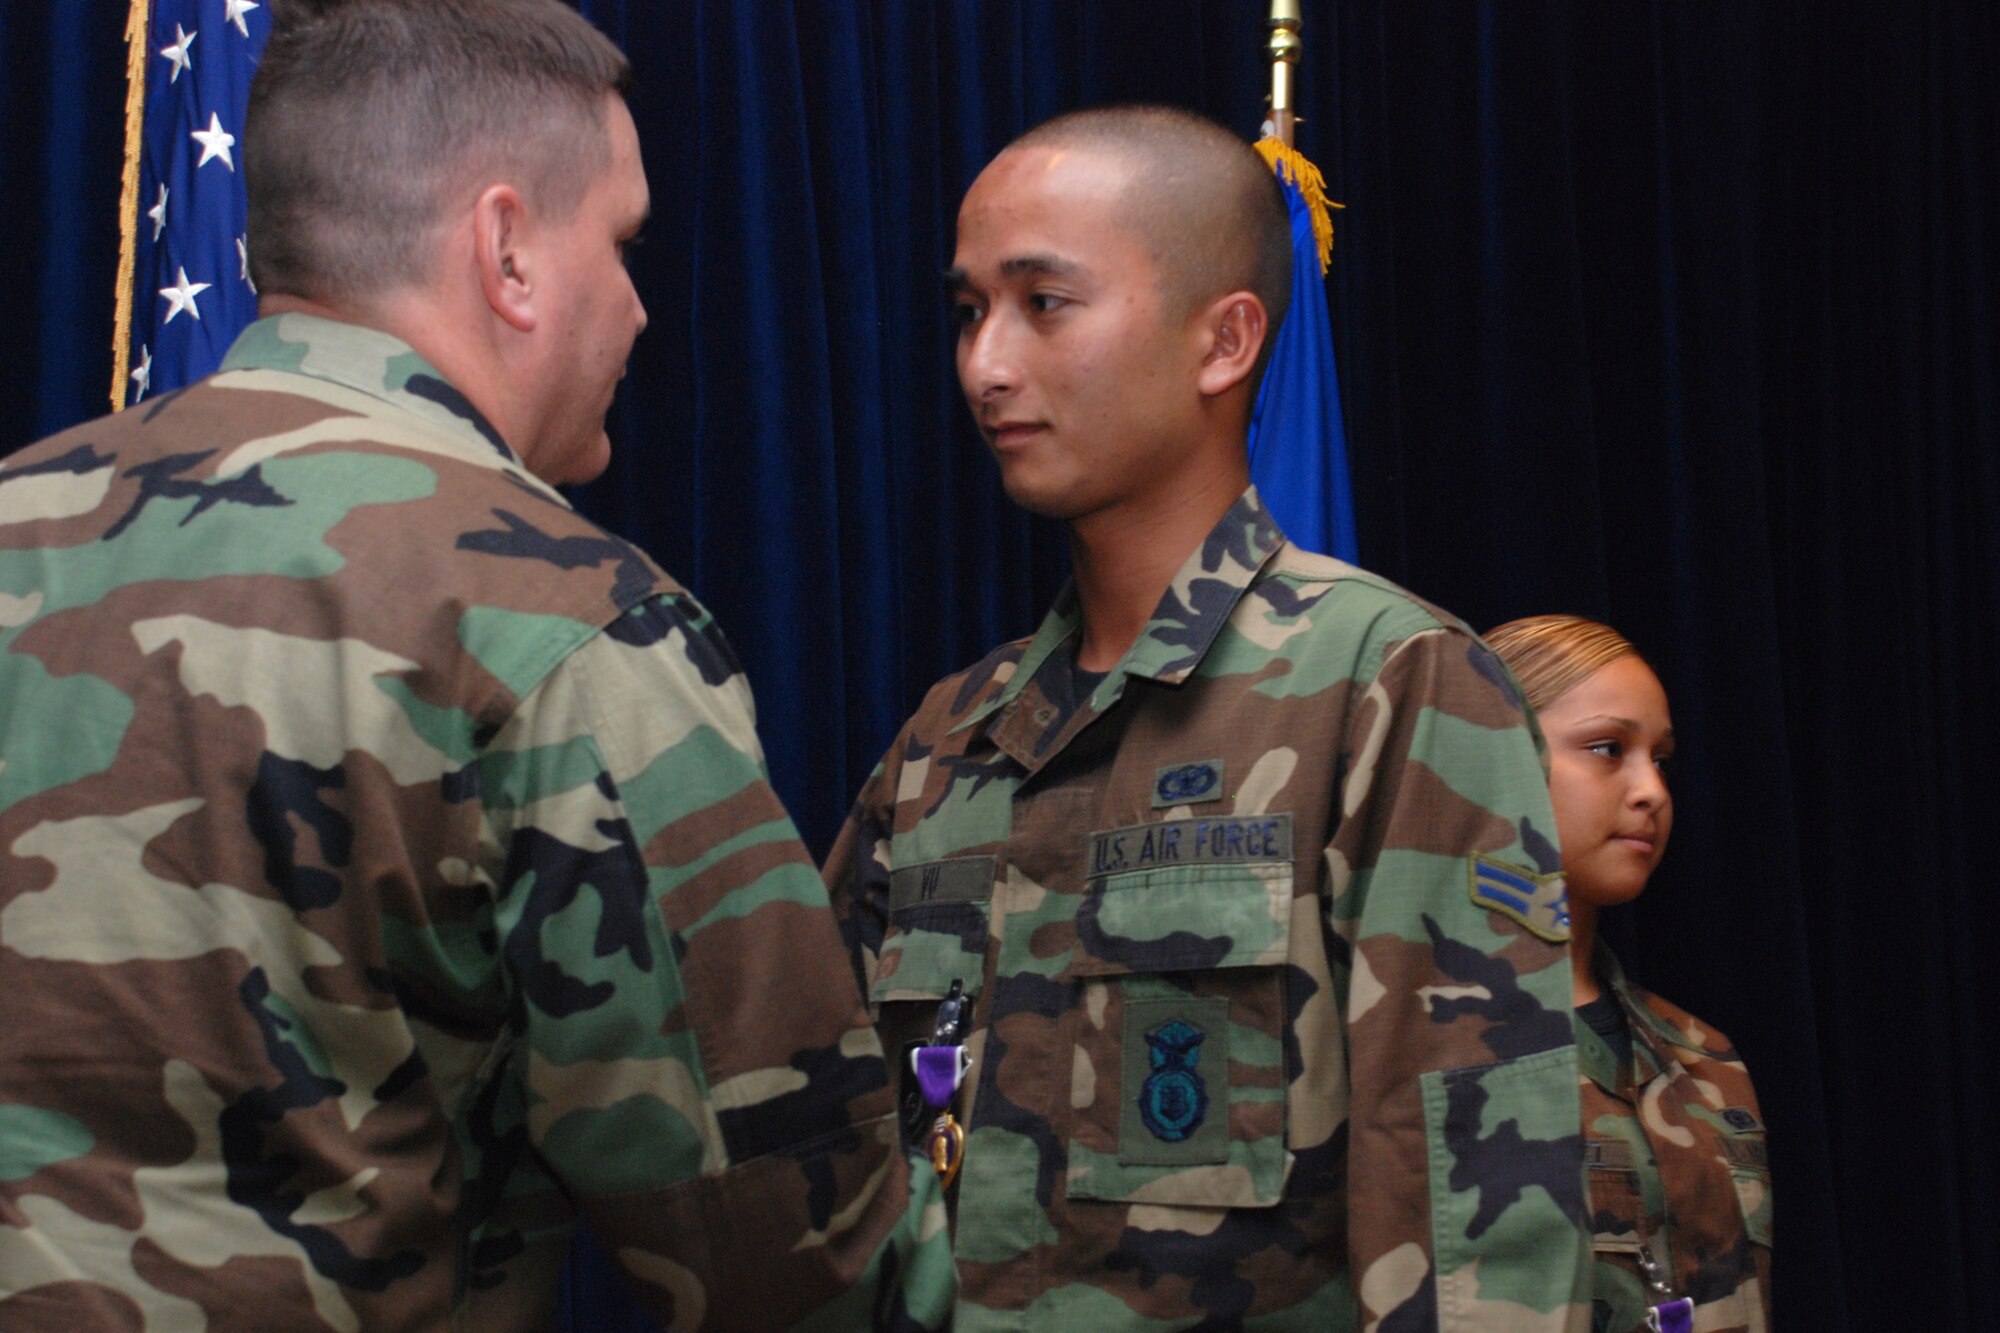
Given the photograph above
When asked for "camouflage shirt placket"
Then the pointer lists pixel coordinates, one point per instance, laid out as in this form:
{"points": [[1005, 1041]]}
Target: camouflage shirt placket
{"points": [[1034, 734]]}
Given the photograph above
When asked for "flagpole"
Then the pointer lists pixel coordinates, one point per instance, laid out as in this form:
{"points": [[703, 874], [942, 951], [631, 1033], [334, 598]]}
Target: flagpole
{"points": [[1284, 47], [136, 28]]}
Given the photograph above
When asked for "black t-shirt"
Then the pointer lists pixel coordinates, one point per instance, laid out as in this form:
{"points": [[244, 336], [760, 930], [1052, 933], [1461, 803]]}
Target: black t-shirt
{"points": [[1606, 1018], [1065, 684]]}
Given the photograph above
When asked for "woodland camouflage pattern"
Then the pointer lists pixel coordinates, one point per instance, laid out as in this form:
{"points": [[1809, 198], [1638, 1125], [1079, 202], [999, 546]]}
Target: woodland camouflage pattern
{"points": [[1676, 1162], [1248, 1052], [387, 873]]}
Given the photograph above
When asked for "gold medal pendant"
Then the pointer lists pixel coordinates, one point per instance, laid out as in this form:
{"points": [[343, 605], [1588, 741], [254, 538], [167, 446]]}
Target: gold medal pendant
{"points": [[947, 1148]]}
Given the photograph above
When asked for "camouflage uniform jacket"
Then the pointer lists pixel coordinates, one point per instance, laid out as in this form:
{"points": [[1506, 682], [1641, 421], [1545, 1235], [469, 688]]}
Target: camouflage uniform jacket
{"points": [[1271, 1025], [387, 873], [1674, 1146]]}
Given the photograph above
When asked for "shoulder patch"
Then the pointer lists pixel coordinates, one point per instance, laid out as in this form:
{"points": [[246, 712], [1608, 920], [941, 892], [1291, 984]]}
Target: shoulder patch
{"points": [[1538, 902]]}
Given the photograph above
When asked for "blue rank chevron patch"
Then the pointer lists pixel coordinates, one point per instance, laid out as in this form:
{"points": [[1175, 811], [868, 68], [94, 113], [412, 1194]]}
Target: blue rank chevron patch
{"points": [[1538, 902]]}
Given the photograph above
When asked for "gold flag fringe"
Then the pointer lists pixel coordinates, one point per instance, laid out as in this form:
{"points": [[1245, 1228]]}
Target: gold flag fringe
{"points": [[1304, 176], [137, 25]]}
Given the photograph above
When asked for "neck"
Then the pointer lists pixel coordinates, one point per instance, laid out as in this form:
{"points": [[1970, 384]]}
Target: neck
{"points": [[283, 303], [1582, 945], [451, 338], [1122, 558]]}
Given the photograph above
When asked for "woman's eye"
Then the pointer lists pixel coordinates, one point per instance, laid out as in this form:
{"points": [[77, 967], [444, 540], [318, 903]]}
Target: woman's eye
{"points": [[1609, 749]]}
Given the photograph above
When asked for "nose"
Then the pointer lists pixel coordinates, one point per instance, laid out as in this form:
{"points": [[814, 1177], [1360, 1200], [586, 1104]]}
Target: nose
{"points": [[985, 360], [1649, 785]]}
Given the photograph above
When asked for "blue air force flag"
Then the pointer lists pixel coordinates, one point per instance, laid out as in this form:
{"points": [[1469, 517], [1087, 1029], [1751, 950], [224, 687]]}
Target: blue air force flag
{"points": [[1298, 446], [190, 292]]}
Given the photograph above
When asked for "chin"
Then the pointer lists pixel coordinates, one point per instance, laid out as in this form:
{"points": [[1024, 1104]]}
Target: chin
{"points": [[575, 466], [1615, 895], [1599, 893], [1045, 501]]}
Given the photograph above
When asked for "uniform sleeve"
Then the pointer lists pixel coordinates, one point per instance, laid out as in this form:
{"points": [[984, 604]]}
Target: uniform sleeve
{"points": [[696, 1067], [1465, 1155], [857, 872]]}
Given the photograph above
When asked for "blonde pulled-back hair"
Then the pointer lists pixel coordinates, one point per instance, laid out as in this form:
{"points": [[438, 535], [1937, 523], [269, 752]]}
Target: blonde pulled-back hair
{"points": [[1551, 655]]}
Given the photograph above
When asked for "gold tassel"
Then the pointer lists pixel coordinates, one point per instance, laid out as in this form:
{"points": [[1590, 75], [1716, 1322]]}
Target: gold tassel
{"points": [[1304, 176], [137, 26]]}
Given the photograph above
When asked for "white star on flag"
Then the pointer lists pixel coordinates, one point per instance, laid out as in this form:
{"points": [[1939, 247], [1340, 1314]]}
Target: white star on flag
{"points": [[143, 376], [196, 214], [182, 294], [215, 142], [178, 53], [236, 10]]}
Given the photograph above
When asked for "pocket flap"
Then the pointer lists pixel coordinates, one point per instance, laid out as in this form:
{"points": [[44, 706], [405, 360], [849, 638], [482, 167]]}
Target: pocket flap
{"points": [[1181, 917], [938, 913]]}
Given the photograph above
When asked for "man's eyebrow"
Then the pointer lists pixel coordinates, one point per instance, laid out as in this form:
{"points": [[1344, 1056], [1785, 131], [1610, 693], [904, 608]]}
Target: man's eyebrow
{"points": [[957, 280], [1029, 266]]}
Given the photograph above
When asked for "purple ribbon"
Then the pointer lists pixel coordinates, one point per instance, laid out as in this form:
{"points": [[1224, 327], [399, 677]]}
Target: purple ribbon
{"points": [[939, 1069], [1674, 1316]]}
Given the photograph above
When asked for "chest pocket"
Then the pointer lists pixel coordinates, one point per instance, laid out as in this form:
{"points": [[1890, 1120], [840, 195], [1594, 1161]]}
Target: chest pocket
{"points": [[937, 933], [1750, 1172], [1178, 1080], [1611, 1177]]}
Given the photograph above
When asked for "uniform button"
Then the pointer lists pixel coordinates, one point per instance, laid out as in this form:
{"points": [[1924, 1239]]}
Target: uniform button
{"points": [[1045, 715]]}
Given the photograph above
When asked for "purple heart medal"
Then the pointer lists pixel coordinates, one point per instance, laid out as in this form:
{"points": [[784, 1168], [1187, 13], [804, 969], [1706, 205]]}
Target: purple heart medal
{"points": [[940, 1069]]}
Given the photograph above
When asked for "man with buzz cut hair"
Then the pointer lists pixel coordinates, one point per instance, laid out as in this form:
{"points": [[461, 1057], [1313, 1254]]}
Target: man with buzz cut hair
{"points": [[1220, 923], [388, 870]]}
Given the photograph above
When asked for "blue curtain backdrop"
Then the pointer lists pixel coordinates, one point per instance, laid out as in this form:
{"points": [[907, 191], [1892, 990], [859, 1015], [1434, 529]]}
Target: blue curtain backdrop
{"points": [[1679, 314]]}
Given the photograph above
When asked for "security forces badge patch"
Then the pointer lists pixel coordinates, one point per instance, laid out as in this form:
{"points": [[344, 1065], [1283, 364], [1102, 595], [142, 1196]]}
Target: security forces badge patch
{"points": [[1173, 1101], [1176, 1081]]}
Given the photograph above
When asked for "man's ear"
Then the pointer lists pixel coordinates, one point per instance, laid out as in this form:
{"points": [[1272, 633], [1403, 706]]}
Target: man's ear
{"points": [[1237, 325], [506, 277]]}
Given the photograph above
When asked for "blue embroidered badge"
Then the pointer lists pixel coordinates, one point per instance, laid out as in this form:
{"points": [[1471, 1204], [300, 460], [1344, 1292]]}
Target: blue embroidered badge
{"points": [[1539, 902], [1173, 1101], [1188, 784], [1740, 1119]]}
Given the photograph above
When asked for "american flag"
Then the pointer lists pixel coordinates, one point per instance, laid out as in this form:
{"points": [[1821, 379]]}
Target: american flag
{"points": [[190, 293]]}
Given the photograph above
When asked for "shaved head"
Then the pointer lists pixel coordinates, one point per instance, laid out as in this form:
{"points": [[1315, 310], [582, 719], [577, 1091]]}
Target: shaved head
{"points": [[1207, 208]]}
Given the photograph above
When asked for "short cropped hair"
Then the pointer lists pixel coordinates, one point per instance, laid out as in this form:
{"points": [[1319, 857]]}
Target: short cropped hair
{"points": [[1211, 212], [370, 121], [1552, 655]]}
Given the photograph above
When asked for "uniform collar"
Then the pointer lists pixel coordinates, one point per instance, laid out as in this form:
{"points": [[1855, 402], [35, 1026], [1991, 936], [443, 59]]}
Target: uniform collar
{"points": [[383, 367], [1653, 1037], [1183, 627]]}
